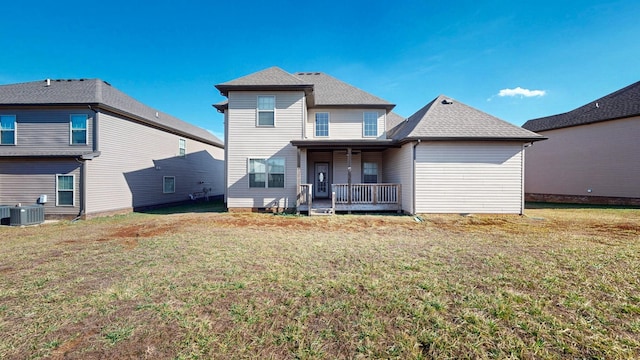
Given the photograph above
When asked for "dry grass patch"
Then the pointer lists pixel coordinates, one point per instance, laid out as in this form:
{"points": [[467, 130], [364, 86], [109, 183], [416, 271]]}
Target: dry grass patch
{"points": [[552, 284]]}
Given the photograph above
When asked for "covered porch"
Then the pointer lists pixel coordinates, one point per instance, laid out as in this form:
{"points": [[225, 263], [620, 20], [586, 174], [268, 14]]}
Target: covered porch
{"points": [[344, 176]]}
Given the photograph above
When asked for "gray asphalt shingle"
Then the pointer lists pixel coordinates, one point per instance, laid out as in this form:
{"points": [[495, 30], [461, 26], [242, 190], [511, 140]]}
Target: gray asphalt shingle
{"points": [[446, 118], [619, 104], [97, 92]]}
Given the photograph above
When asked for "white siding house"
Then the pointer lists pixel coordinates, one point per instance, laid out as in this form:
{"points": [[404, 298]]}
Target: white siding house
{"points": [[345, 149]]}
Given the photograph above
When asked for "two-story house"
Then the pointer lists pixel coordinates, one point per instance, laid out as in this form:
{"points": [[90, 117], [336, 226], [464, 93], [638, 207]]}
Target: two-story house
{"points": [[589, 157], [295, 140], [83, 148]]}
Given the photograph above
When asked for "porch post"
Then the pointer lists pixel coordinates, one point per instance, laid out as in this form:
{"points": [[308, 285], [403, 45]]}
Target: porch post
{"points": [[298, 181], [349, 175]]}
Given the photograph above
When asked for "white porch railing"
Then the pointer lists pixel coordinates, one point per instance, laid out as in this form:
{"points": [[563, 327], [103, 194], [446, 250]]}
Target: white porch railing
{"points": [[367, 193], [357, 197]]}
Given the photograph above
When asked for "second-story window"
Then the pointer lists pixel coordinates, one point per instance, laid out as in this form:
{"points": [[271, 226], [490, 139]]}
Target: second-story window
{"points": [[266, 110], [78, 129], [370, 124], [7, 129], [182, 146], [322, 124]]}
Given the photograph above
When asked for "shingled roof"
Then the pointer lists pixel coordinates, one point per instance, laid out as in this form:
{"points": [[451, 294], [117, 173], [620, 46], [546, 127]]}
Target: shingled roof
{"points": [[322, 89], [329, 91], [447, 119], [617, 105], [268, 79], [96, 92]]}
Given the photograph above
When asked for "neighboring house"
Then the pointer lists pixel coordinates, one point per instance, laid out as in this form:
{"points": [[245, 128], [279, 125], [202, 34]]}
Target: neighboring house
{"points": [[591, 155], [83, 148], [294, 140]]}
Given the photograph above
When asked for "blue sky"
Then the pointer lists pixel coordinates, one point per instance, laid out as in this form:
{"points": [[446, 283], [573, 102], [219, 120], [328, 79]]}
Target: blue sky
{"points": [[516, 60]]}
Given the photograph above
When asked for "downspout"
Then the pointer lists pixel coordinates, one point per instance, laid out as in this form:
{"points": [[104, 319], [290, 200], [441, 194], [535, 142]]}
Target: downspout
{"points": [[82, 160], [96, 128], [83, 188], [413, 185], [524, 146]]}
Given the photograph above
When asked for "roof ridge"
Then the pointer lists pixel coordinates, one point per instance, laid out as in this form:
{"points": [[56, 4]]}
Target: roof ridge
{"points": [[624, 102]]}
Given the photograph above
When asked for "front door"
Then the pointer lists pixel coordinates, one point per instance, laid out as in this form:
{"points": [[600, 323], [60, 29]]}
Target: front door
{"points": [[321, 188]]}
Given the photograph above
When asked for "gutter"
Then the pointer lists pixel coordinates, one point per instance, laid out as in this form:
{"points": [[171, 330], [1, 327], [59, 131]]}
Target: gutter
{"points": [[413, 186]]}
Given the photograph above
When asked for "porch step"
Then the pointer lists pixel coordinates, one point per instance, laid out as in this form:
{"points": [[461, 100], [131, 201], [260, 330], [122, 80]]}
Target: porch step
{"points": [[321, 212]]}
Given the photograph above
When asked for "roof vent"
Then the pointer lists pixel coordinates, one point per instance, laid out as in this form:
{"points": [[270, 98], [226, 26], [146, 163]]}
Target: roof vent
{"points": [[48, 82], [447, 102], [597, 105]]}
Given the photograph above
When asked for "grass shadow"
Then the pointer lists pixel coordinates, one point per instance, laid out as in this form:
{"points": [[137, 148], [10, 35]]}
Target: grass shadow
{"points": [[545, 205], [216, 206]]}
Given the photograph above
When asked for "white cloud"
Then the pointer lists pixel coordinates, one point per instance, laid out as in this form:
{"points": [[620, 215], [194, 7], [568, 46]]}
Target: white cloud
{"points": [[521, 92]]}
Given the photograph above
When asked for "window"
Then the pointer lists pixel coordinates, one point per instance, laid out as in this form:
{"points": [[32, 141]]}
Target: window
{"points": [[370, 124], [266, 110], [168, 184], [182, 145], [7, 129], [78, 129], [369, 173], [65, 185], [267, 173], [322, 124]]}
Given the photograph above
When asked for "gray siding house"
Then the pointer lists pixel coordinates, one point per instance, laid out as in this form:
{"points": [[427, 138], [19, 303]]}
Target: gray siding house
{"points": [[591, 155], [310, 142], [83, 148]]}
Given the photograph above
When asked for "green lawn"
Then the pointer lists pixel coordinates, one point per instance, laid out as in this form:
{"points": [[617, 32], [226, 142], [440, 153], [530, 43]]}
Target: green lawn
{"points": [[191, 284]]}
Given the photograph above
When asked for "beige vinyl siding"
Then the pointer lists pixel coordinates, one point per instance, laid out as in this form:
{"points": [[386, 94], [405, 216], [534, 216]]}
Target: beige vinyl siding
{"points": [[23, 180], [345, 123], [245, 140], [468, 177], [602, 157], [340, 173], [398, 169], [46, 132], [135, 158]]}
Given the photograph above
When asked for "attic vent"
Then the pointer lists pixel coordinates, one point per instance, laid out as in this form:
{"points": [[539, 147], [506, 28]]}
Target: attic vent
{"points": [[447, 102]]}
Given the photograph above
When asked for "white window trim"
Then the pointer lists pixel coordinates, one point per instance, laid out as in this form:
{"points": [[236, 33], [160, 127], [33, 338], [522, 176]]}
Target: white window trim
{"points": [[364, 116], [258, 111], [164, 178], [266, 172], [86, 129], [315, 121], [15, 129], [182, 150], [73, 201]]}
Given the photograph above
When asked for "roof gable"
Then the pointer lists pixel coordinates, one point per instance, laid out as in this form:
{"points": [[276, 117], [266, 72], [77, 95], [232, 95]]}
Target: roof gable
{"points": [[446, 119], [329, 91], [99, 93], [271, 78], [321, 89], [619, 104]]}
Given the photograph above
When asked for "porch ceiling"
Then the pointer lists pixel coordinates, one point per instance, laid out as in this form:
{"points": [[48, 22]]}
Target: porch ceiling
{"points": [[344, 144]]}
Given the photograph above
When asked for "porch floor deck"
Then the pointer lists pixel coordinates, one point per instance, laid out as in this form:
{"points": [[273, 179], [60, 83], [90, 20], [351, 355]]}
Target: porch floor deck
{"points": [[323, 207]]}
